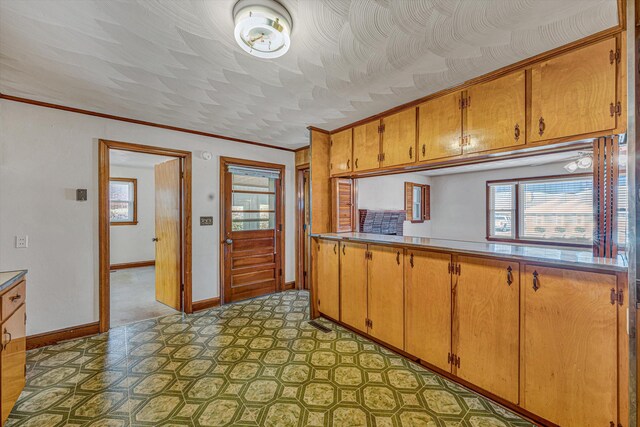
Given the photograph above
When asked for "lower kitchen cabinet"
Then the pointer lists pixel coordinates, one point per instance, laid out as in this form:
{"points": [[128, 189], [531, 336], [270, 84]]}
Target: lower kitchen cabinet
{"points": [[427, 295], [569, 346], [327, 278], [386, 294], [353, 285], [486, 295]]}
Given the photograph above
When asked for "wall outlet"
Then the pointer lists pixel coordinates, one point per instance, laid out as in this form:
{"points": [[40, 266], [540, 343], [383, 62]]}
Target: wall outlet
{"points": [[22, 241]]}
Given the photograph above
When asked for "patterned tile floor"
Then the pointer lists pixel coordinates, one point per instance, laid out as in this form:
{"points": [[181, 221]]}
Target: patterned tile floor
{"points": [[256, 362]]}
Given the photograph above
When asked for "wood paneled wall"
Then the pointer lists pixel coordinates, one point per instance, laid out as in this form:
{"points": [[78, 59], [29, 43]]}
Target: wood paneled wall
{"points": [[320, 183], [303, 156]]}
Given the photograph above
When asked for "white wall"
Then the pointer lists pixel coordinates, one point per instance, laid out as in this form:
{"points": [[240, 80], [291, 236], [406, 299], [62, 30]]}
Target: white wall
{"points": [[132, 243], [45, 154], [458, 202], [387, 193]]}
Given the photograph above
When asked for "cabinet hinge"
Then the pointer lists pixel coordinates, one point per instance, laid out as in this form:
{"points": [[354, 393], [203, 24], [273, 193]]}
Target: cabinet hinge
{"points": [[617, 297], [614, 56], [368, 255], [458, 269]]}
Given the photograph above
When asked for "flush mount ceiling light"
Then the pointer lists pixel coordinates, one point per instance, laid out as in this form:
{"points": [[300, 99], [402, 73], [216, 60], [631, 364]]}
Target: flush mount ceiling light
{"points": [[263, 27], [584, 161]]}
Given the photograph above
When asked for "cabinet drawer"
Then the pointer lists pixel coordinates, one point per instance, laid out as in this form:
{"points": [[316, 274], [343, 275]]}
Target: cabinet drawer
{"points": [[12, 299]]}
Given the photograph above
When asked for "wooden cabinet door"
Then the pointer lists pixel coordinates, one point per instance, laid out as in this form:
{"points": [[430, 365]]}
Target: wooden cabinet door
{"points": [[366, 146], [485, 324], [12, 365], [328, 278], [440, 128], [386, 295], [399, 138], [342, 211], [353, 289], [341, 150], [495, 114], [572, 94], [569, 352], [427, 296]]}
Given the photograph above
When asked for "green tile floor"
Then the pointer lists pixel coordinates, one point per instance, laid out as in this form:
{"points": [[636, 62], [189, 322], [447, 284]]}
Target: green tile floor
{"points": [[256, 362]]}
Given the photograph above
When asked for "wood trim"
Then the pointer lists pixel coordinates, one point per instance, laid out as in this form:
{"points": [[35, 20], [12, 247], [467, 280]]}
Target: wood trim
{"points": [[54, 337], [300, 170], [204, 304], [136, 121], [290, 285], [302, 148], [310, 128], [103, 221], [525, 63], [134, 181], [280, 215], [136, 264]]}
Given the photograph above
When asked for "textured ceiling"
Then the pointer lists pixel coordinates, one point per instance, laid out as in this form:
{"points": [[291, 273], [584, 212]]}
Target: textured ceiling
{"points": [[176, 62]]}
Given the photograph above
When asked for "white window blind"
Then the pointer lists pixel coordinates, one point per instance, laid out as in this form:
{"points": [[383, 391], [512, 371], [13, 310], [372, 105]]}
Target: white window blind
{"points": [[257, 172], [502, 210]]}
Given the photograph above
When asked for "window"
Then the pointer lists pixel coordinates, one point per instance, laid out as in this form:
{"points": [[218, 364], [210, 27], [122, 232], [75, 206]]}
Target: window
{"points": [[253, 204], [122, 201], [417, 201], [555, 210]]}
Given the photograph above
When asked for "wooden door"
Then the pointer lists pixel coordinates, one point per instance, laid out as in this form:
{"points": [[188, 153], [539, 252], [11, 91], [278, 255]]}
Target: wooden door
{"points": [[341, 151], [342, 209], [306, 230], [485, 324], [366, 146], [495, 114], [251, 246], [427, 295], [440, 128], [353, 285], [13, 360], [168, 236], [399, 138], [328, 278], [386, 295], [569, 353], [572, 94]]}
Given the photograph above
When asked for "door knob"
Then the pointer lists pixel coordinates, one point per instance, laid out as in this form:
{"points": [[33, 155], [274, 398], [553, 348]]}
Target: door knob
{"points": [[228, 241], [155, 239]]}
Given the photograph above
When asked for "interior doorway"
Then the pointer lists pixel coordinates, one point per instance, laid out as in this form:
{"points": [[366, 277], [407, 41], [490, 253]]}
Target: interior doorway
{"points": [[145, 232], [251, 228], [303, 229]]}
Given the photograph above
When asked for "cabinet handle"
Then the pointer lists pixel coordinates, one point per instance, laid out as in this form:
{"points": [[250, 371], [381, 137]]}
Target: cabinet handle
{"points": [[411, 260], [424, 150], [356, 163], [348, 163], [335, 249], [398, 257], [541, 126], [4, 346], [343, 250], [516, 132], [536, 281], [509, 276], [411, 152], [15, 297]]}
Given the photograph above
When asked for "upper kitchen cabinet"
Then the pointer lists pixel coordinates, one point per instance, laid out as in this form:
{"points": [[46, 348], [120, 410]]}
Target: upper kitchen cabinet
{"points": [[399, 138], [575, 93], [440, 128], [495, 114], [341, 150], [366, 146]]}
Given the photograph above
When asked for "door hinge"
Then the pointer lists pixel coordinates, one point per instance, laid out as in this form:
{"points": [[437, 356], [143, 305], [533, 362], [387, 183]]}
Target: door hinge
{"points": [[181, 175], [614, 56], [617, 297], [182, 286]]}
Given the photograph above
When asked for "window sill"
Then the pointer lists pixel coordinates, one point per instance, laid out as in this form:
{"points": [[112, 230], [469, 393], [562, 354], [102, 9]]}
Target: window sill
{"points": [[124, 223], [540, 242]]}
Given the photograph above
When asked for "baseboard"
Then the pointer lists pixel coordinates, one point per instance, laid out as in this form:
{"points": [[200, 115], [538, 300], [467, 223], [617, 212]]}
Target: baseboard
{"points": [[205, 303], [290, 285], [54, 337], [136, 264]]}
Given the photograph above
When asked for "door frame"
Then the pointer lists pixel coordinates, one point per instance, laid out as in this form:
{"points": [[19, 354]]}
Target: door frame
{"points": [[300, 169], [103, 222], [280, 215]]}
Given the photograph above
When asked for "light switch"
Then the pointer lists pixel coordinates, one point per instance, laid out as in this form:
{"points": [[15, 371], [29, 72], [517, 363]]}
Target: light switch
{"points": [[22, 241]]}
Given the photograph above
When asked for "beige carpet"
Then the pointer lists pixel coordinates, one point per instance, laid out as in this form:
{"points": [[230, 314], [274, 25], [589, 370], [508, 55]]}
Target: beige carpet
{"points": [[133, 296]]}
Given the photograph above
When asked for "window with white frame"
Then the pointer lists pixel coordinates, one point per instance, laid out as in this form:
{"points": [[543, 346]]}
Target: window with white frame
{"points": [[122, 201]]}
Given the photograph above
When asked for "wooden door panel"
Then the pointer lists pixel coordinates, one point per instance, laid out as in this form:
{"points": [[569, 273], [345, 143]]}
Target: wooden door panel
{"points": [[428, 306], [440, 128], [167, 223], [573, 93], [496, 114], [353, 285], [366, 146], [341, 151], [13, 360], [342, 215], [569, 346], [250, 261], [485, 328], [386, 295], [328, 279], [399, 138]]}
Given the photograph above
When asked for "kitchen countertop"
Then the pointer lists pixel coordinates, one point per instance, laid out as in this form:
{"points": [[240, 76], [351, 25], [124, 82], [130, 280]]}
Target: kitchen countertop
{"points": [[559, 256], [8, 278]]}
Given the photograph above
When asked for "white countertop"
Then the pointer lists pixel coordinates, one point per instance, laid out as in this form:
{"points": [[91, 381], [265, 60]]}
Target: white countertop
{"points": [[8, 278]]}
